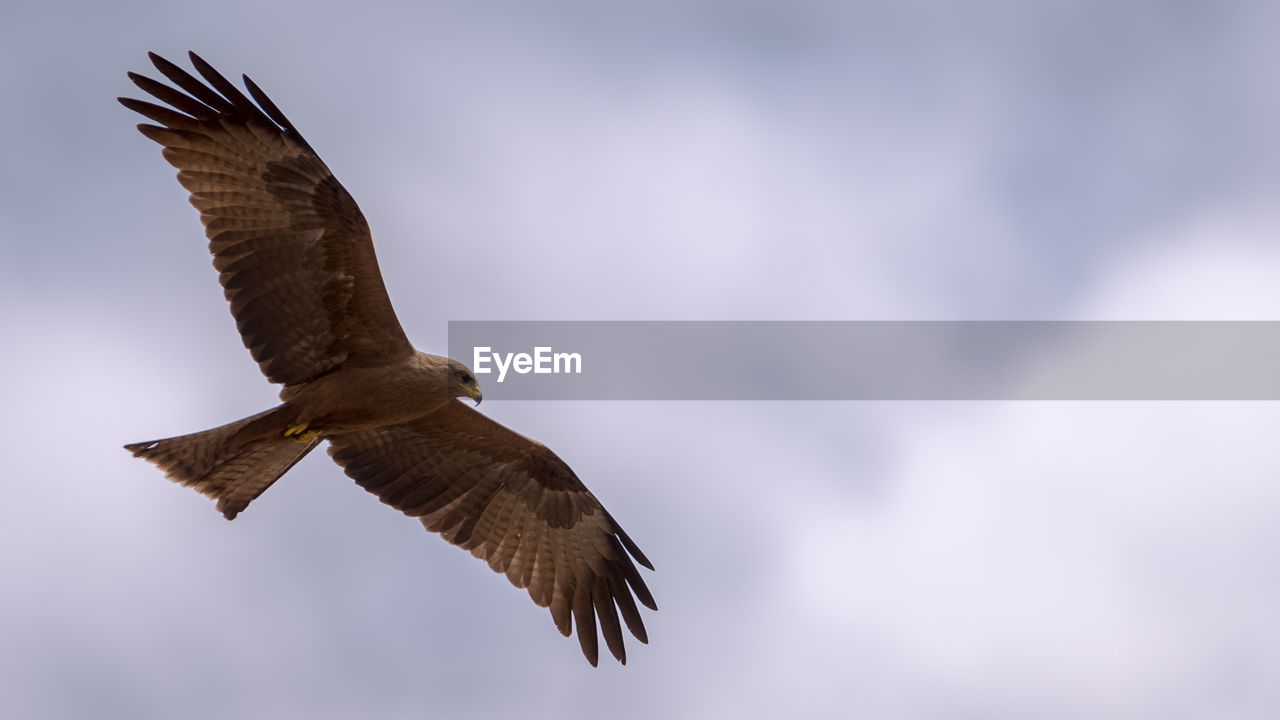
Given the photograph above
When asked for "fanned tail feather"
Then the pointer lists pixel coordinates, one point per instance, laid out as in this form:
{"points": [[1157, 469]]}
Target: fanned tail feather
{"points": [[226, 463]]}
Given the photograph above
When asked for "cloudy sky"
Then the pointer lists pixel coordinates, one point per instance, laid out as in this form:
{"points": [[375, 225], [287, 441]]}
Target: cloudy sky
{"points": [[663, 160]]}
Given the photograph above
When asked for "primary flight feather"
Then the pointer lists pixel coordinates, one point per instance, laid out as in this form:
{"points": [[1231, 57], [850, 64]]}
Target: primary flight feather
{"points": [[296, 262]]}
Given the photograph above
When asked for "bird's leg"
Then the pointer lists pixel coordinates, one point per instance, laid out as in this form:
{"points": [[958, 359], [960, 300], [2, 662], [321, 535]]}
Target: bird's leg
{"points": [[300, 433]]}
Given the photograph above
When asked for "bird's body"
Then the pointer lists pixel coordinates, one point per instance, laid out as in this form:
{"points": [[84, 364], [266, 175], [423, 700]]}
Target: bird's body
{"points": [[365, 398], [296, 262]]}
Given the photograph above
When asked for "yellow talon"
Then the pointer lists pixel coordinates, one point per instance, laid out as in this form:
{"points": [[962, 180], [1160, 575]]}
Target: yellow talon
{"points": [[300, 433]]}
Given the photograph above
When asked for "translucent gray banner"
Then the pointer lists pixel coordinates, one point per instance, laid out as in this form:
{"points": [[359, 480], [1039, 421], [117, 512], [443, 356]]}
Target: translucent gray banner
{"points": [[891, 360]]}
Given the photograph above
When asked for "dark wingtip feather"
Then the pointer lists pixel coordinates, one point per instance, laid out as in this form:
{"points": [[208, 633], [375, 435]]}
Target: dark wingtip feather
{"points": [[628, 543], [607, 614], [157, 113], [186, 81], [180, 101], [584, 617], [155, 133], [224, 86], [640, 590], [273, 111], [161, 63], [627, 607]]}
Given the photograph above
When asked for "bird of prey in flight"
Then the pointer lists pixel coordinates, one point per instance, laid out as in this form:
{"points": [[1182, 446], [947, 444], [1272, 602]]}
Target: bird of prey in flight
{"points": [[296, 262]]}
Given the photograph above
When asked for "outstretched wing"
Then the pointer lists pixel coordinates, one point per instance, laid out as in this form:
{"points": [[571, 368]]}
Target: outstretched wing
{"points": [[293, 251], [513, 503]]}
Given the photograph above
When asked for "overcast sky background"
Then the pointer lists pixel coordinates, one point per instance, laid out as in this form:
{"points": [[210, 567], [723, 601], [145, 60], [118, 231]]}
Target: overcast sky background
{"points": [[664, 160]]}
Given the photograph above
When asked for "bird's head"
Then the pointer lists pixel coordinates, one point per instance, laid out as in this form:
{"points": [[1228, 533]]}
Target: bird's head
{"points": [[462, 383]]}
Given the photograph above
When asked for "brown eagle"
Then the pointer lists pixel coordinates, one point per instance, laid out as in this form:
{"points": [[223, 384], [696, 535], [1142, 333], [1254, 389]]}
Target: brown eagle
{"points": [[295, 259]]}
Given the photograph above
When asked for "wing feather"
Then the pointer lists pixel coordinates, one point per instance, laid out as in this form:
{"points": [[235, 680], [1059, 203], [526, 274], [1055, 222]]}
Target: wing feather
{"points": [[584, 619], [168, 95], [293, 251], [515, 505], [198, 90]]}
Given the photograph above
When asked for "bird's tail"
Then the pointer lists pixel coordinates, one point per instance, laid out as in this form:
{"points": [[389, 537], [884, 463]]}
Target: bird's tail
{"points": [[232, 464]]}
